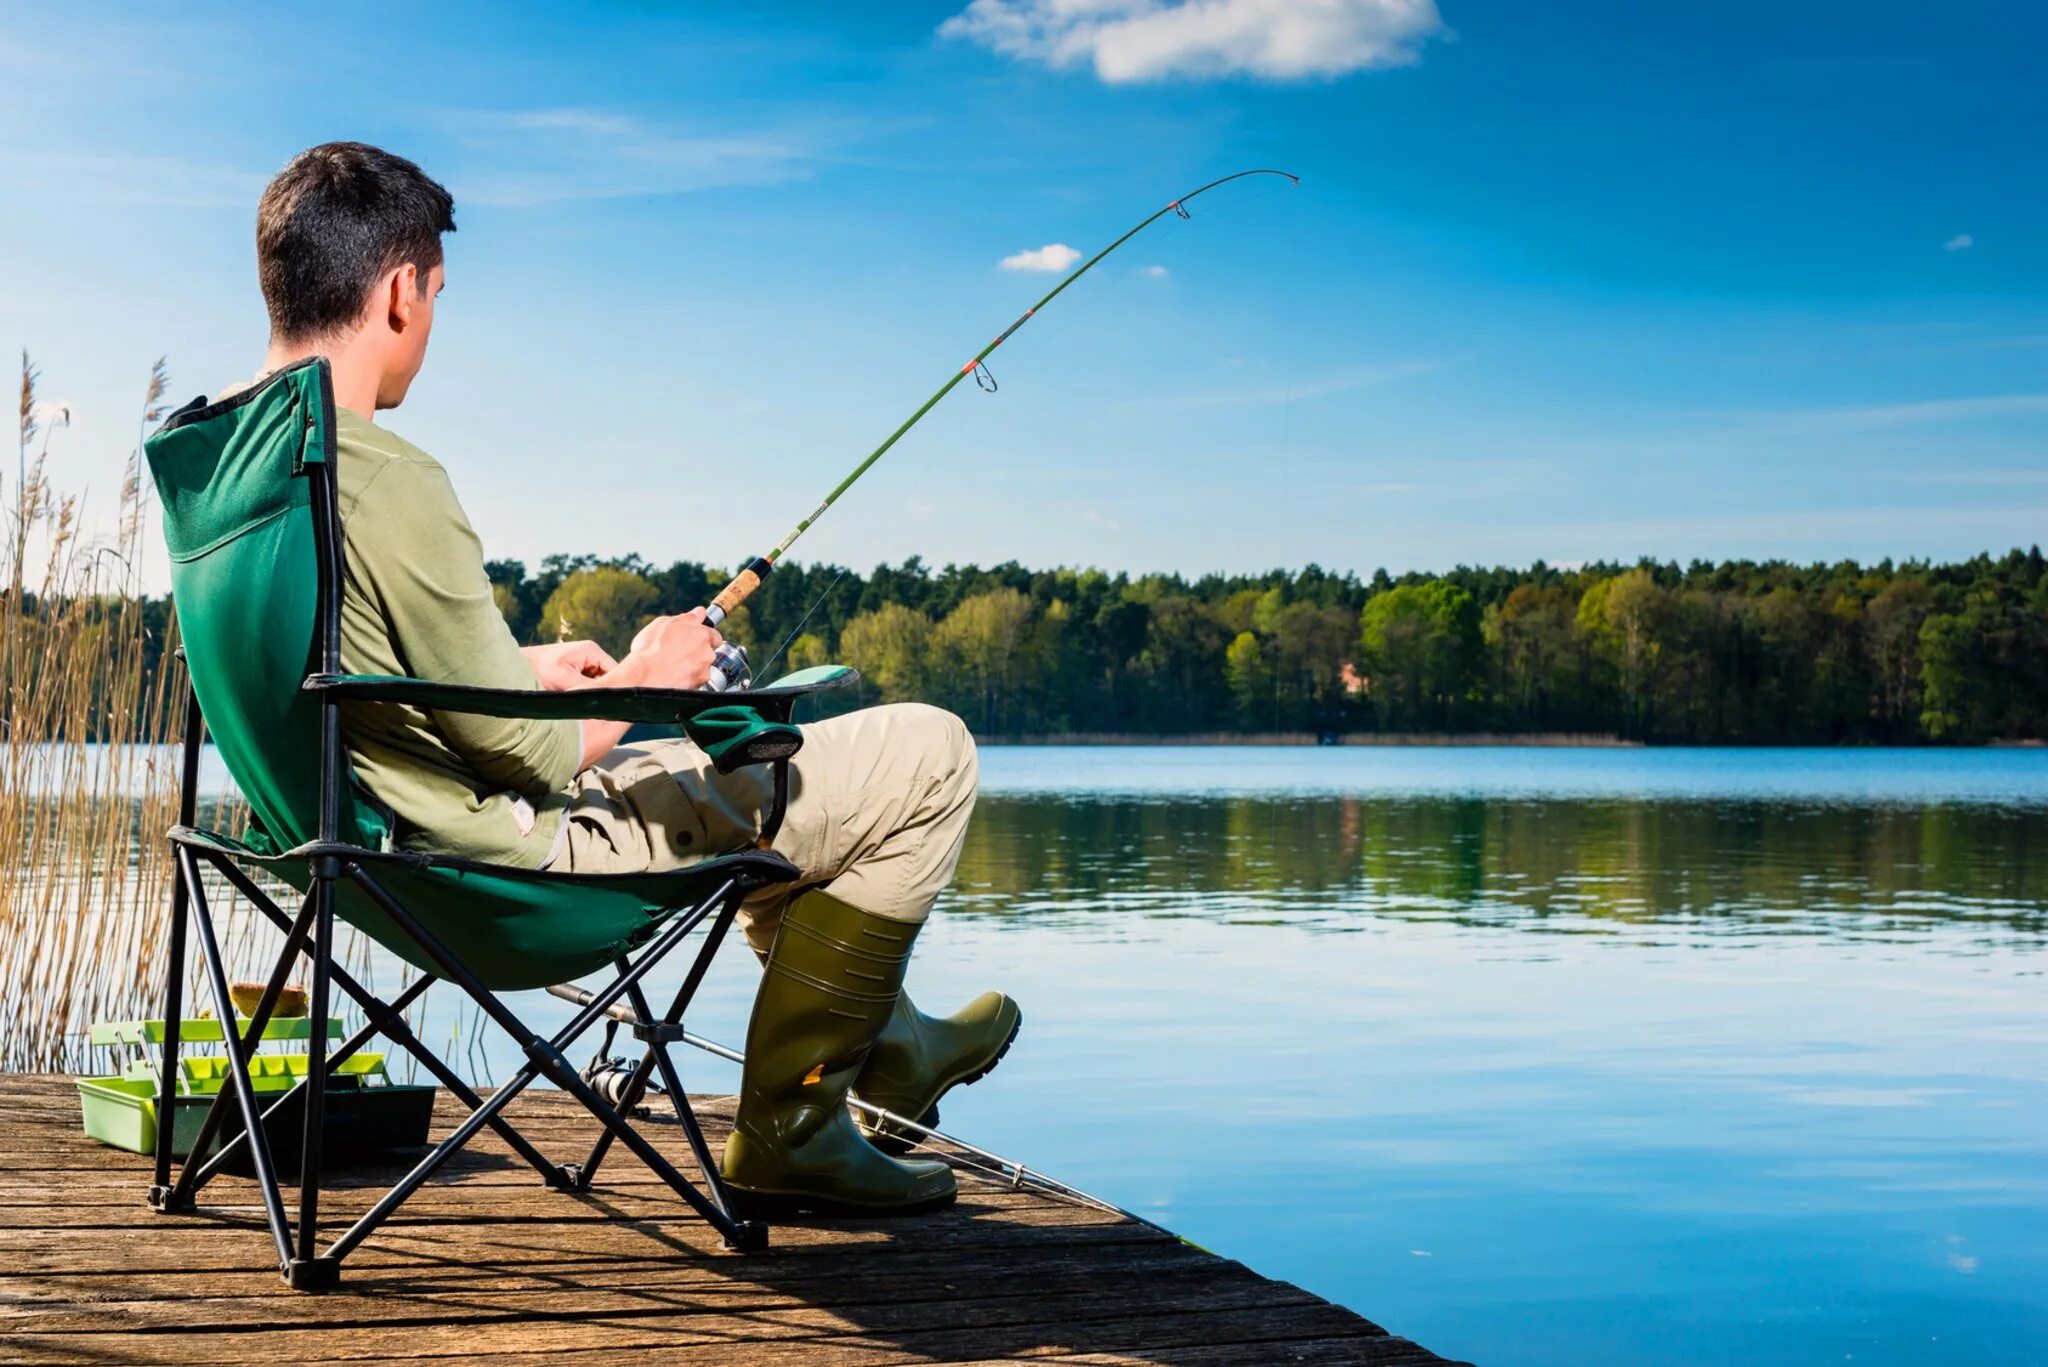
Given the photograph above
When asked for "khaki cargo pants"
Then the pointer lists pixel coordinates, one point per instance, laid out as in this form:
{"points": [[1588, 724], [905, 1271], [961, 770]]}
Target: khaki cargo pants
{"points": [[878, 805]]}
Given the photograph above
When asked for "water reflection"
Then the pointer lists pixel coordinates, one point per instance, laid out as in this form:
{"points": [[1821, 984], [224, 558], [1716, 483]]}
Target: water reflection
{"points": [[1607, 866], [1536, 1056]]}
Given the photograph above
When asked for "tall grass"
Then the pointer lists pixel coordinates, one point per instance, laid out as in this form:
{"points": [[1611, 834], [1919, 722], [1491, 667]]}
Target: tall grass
{"points": [[83, 868], [91, 718]]}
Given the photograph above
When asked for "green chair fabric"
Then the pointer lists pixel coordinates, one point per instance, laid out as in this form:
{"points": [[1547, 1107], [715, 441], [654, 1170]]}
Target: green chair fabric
{"points": [[248, 498], [247, 541]]}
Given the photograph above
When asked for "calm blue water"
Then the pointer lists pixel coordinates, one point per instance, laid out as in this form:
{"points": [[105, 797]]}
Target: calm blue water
{"points": [[1535, 1056]]}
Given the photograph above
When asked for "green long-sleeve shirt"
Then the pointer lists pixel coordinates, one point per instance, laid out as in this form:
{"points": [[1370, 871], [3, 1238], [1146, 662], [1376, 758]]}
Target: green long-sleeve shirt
{"points": [[416, 601]]}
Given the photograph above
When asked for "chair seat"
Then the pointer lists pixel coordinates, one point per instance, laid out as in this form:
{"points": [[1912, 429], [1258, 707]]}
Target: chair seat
{"points": [[514, 928]]}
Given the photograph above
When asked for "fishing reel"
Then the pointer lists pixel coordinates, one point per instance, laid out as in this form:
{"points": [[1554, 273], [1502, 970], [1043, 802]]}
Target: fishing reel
{"points": [[611, 1078], [729, 669]]}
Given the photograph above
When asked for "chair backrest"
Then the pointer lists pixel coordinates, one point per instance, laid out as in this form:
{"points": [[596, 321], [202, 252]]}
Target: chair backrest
{"points": [[256, 561], [248, 515]]}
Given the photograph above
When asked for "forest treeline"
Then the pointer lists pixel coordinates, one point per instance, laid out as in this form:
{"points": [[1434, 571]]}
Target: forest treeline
{"points": [[1733, 653]]}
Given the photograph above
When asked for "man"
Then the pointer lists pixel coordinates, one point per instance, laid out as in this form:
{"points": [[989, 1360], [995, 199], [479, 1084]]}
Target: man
{"points": [[348, 244]]}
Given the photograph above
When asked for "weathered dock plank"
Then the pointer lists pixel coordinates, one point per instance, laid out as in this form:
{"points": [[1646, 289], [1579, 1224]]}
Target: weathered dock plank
{"points": [[488, 1265]]}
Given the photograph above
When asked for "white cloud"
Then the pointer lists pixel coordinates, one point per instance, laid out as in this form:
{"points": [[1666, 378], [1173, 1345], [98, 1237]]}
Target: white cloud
{"points": [[1053, 256], [1156, 272], [159, 182], [1154, 40], [539, 156], [1960, 242], [1882, 417]]}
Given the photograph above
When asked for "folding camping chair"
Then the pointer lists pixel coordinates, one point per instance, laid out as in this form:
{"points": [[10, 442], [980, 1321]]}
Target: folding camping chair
{"points": [[250, 517]]}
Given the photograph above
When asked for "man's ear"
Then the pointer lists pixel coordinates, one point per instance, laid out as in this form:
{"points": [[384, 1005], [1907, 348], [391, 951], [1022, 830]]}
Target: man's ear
{"points": [[402, 295]]}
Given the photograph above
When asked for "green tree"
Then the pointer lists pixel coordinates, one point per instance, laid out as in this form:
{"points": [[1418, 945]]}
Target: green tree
{"points": [[1250, 678], [1728, 652], [1179, 685], [1266, 610], [605, 604], [1538, 649], [1620, 615], [891, 647], [1422, 645], [1311, 645], [805, 651], [1892, 622], [979, 644]]}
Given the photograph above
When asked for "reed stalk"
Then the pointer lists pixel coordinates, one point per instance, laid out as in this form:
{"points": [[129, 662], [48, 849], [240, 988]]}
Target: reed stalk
{"points": [[87, 765]]}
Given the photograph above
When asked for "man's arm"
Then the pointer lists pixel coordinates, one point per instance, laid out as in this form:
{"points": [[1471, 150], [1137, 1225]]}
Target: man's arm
{"points": [[424, 564], [562, 665], [415, 554], [669, 652]]}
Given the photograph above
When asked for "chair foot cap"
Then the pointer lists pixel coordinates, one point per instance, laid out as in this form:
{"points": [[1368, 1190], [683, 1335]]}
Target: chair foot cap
{"points": [[160, 1201], [748, 1236], [313, 1274]]}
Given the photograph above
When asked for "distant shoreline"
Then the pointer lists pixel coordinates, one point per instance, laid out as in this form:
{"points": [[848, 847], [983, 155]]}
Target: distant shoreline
{"points": [[1540, 740], [1562, 740]]}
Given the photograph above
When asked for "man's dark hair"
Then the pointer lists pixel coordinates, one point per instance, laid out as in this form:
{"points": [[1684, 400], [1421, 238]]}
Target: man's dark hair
{"points": [[335, 218]]}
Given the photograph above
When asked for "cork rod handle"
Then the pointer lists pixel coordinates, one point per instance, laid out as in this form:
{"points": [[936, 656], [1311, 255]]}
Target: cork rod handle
{"points": [[740, 589]]}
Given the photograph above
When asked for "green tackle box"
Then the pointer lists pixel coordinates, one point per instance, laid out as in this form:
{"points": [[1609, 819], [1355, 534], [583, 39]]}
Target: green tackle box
{"points": [[367, 1113]]}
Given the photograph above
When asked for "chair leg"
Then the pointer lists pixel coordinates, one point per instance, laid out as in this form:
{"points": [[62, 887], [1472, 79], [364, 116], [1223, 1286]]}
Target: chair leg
{"points": [[304, 1264], [686, 1115], [545, 1056], [384, 1016], [238, 1065], [306, 1271], [636, 1085], [197, 1173], [160, 1192]]}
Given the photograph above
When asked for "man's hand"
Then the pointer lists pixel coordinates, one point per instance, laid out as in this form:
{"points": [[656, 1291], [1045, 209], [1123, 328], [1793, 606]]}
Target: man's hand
{"points": [[571, 664], [669, 652], [675, 652]]}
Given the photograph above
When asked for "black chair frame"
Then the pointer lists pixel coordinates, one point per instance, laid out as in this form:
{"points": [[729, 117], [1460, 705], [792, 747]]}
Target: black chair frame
{"points": [[303, 1261]]}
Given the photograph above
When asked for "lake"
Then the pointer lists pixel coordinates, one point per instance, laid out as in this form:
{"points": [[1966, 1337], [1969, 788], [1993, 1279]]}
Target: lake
{"points": [[1535, 1056]]}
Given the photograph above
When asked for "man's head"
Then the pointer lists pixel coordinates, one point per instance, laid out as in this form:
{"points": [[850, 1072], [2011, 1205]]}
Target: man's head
{"points": [[348, 247]]}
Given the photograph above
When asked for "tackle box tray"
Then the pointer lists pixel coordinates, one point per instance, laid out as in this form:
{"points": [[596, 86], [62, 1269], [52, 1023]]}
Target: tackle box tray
{"points": [[367, 1113]]}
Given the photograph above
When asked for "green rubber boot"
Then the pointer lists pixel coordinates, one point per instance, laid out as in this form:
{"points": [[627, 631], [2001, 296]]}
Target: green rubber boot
{"points": [[918, 1058], [832, 979]]}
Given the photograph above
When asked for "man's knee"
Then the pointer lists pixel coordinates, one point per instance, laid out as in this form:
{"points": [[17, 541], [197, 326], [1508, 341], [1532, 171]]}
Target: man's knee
{"points": [[944, 746]]}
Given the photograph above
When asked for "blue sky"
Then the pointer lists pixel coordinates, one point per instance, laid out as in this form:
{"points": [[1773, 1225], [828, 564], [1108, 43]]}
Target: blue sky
{"points": [[1575, 281]]}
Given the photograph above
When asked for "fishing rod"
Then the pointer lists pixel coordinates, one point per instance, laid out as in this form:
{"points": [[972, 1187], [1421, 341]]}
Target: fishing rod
{"points": [[1012, 1173], [729, 665]]}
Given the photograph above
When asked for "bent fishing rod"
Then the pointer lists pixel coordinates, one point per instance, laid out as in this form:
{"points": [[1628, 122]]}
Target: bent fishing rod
{"points": [[729, 666]]}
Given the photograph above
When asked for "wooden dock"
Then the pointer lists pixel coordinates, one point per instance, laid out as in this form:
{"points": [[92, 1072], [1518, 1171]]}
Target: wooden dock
{"points": [[487, 1264]]}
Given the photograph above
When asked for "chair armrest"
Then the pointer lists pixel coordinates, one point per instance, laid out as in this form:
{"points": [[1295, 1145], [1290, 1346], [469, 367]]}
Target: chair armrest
{"points": [[660, 705]]}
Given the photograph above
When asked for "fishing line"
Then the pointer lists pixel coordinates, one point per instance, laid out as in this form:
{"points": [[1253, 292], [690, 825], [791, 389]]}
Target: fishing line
{"points": [[816, 603], [730, 662]]}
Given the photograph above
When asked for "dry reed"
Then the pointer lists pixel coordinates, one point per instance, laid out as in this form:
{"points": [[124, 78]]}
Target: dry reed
{"points": [[82, 893], [90, 720]]}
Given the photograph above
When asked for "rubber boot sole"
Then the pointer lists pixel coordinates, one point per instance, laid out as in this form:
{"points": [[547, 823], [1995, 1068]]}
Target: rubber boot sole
{"points": [[896, 1145]]}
